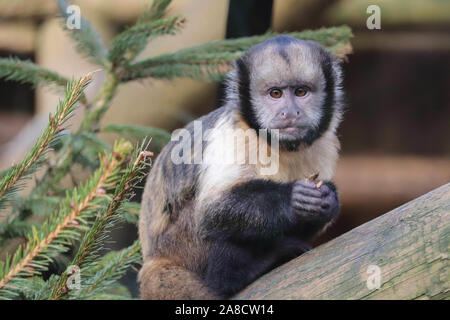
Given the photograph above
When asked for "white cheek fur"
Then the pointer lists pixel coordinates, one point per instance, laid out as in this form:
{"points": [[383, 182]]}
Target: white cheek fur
{"points": [[313, 108]]}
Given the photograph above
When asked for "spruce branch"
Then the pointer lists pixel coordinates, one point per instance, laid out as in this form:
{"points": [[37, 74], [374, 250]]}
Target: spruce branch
{"points": [[14, 228], [4, 172], [92, 241], [156, 11], [8, 184], [88, 40], [67, 155], [14, 69], [64, 225], [100, 105], [104, 273], [73, 145], [159, 137], [210, 61], [96, 142], [130, 212], [70, 150], [39, 289], [133, 40], [203, 72]]}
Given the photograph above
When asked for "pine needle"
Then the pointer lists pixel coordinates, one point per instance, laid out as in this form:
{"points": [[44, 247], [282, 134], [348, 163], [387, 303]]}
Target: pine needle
{"points": [[89, 42], [210, 61], [156, 11], [14, 69], [159, 137], [64, 225], [8, 184], [108, 272], [133, 40], [92, 241]]}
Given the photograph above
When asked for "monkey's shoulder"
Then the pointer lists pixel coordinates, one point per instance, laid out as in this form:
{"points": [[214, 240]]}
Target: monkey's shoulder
{"points": [[177, 167]]}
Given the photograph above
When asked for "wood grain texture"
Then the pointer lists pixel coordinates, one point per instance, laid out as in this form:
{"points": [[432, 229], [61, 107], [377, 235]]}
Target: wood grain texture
{"points": [[410, 244]]}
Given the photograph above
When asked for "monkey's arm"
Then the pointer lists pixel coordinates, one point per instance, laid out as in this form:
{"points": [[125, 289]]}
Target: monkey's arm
{"points": [[264, 209], [258, 225], [252, 210]]}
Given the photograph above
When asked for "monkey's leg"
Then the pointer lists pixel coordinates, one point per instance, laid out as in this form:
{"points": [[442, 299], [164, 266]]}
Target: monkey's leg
{"points": [[290, 248], [232, 266], [161, 279]]}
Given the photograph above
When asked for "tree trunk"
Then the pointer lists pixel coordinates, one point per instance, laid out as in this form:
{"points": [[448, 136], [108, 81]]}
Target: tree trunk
{"points": [[409, 245]]}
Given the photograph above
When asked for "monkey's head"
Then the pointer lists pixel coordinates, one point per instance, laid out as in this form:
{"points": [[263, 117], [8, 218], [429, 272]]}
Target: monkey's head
{"points": [[288, 84]]}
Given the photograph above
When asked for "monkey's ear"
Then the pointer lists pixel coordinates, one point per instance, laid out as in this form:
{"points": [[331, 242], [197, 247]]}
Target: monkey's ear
{"points": [[242, 73], [337, 62]]}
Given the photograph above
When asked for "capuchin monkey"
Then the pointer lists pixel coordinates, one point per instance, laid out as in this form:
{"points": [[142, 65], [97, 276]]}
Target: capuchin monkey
{"points": [[210, 227]]}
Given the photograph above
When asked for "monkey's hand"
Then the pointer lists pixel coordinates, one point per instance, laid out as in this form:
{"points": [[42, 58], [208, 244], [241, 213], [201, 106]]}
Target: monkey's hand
{"points": [[309, 203]]}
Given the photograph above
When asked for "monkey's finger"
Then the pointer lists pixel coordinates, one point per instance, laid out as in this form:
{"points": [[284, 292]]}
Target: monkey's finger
{"points": [[301, 208], [305, 183], [326, 204], [307, 200], [307, 191], [324, 190]]}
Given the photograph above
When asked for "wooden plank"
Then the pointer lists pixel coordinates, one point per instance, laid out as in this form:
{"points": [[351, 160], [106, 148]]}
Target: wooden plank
{"points": [[409, 244]]}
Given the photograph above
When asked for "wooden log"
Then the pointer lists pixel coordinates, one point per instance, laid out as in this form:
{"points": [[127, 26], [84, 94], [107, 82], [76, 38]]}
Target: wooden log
{"points": [[409, 244]]}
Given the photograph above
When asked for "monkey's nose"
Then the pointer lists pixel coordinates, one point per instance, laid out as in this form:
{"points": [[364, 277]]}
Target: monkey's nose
{"points": [[290, 114]]}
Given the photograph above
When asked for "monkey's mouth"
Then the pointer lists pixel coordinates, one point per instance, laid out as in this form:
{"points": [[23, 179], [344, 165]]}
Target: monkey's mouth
{"points": [[292, 130], [289, 129], [292, 133]]}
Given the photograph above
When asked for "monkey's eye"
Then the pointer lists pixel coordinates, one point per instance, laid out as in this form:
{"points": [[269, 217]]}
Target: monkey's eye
{"points": [[275, 93], [301, 92]]}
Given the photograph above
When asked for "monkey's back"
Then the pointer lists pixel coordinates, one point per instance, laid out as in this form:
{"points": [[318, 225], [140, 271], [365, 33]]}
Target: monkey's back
{"points": [[166, 224]]}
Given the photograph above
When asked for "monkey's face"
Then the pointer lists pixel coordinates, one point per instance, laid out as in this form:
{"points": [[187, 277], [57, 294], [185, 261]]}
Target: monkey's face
{"points": [[291, 107], [291, 88]]}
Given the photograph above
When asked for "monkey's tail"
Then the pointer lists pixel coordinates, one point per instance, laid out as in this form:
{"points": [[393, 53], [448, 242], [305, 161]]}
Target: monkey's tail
{"points": [[162, 279]]}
